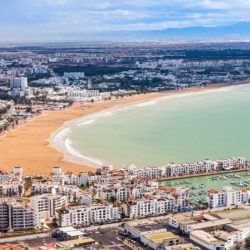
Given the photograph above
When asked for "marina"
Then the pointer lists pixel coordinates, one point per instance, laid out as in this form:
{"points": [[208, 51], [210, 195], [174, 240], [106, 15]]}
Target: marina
{"points": [[199, 185]]}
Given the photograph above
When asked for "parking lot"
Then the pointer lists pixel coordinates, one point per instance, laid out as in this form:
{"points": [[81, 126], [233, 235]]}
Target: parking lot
{"points": [[109, 238]]}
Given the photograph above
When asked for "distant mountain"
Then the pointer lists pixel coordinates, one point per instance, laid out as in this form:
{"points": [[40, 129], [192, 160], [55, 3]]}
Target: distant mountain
{"points": [[236, 31]]}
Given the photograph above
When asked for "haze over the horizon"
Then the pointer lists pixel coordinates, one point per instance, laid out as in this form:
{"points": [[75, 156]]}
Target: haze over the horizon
{"points": [[81, 20]]}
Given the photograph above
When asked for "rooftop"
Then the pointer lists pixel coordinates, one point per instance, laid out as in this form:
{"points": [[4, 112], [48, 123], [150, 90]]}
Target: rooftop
{"points": [[205, 237], [160, 237], [188, 246], [72, 232], [207, 224], [78, 242]]}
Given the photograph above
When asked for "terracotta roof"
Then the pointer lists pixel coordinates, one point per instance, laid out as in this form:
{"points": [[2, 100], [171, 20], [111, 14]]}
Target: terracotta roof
{"points": [[213, 190]]}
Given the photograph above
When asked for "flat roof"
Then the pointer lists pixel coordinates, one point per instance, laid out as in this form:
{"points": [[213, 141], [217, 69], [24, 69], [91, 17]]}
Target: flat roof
{"points": [[188, 246], [71, 231], [66, 229], [206, 224], [222, 234], [134, 223], [160, 237], [205, 237], [75, 233], [77, 242], [241, 224]]}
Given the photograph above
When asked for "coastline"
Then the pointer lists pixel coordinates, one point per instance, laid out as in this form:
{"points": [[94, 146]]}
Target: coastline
{"points": [[59, 140], [29, 146]]}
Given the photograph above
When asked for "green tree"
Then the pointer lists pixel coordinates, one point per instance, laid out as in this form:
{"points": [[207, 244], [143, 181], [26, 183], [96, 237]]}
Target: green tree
{"points": [[247, 241]]}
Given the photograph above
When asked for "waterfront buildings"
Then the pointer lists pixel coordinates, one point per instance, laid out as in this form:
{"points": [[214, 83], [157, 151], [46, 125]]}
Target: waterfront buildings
{"points": [[172, 170], [87, 95], [113, 195], [228, 197]]}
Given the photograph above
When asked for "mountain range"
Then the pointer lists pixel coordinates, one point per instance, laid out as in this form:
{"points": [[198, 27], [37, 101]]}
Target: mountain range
{"points": [[236, 31]]}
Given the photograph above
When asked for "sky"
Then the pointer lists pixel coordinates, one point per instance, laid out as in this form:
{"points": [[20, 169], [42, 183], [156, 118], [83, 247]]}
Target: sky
{"points": [[69, 20]]}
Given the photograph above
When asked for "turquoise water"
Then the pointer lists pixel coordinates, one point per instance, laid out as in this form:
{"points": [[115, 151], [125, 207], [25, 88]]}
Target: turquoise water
{"points": [[199, 185], [189, 128]]}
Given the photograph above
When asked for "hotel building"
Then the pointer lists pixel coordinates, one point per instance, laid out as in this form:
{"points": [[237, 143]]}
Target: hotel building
{"points": [[228, 197]]}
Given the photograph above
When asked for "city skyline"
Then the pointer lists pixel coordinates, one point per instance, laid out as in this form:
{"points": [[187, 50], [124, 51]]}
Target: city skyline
{"points": [[74, 20]]}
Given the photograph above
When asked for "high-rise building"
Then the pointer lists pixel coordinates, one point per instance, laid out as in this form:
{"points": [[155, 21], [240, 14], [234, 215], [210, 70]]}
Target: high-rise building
{"points": [[15, 216], [19, 87], [89, 84]]}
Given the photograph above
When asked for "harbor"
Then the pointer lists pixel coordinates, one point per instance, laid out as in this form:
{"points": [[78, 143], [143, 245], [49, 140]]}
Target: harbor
{"points": [[199, 185]]}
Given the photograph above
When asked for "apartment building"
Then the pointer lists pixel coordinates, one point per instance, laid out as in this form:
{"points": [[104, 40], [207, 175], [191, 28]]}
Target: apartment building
{"points": [[15, 215], [81, 179], [74, 216], [86, 215], [11, 189], [22, 217], [45, 206], [227, 197]]}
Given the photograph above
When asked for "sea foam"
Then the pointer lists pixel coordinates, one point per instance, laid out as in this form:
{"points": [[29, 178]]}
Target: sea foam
{"points": [[143, 104], [73, 152], [87, 122]]}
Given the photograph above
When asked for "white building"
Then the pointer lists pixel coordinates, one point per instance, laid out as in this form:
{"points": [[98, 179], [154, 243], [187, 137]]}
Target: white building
{"points": [[84, 95], [15, 216], [73, 193], [11, 189], [74, 75], [152, 207], [228, 197], [86, 215], [19, 87], [45, 206]]}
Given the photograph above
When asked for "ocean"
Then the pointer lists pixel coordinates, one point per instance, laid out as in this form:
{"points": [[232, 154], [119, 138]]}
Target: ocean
{"points": [[182, 128]]}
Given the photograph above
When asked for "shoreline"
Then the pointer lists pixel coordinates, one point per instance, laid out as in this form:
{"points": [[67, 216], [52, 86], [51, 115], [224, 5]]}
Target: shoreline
{"points": [[63, 145], [29, 145]]}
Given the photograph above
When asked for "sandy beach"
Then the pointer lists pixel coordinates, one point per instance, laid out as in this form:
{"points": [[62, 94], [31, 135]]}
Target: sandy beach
{"points": [[29, 146]]}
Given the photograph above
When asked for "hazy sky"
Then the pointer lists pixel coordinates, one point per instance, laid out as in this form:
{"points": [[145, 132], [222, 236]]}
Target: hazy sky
{"points": [[48, 20]]}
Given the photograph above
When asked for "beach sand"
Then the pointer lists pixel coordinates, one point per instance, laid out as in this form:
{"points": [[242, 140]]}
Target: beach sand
{"points": [[28, 146]]}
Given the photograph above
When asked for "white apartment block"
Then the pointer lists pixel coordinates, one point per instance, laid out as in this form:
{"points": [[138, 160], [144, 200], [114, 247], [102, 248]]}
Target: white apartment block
{"points": [[45, 206], [232, 162], [15, 216], [74, 75], [74, 216], [69, 178], [78, 180], [19, 87], [172, 170], [73, 193], [153, 207], [150, 173], [228, 197], [22, 217], [102, 213], [15, 175], [86, 215], [11, 189], [83, 95], [117, 193], [174, 202]]}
